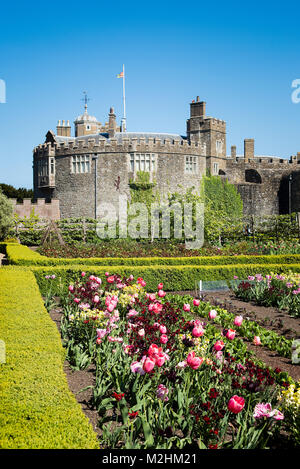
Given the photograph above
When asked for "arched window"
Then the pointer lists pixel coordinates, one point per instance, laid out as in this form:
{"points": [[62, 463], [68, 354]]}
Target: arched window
{"points": [[251, 175]]}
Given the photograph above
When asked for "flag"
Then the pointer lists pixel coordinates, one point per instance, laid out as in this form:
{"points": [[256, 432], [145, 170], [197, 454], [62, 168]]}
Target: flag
{"points": [[120, 75]]}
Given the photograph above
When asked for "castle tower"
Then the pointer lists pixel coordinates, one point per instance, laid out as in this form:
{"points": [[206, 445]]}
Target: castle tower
{"points": [[86, 124]]}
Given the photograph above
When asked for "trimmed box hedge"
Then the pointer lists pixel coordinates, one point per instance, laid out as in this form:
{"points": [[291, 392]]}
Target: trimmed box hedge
{"points": [[18, 254], [174, 278], [37, 409]]}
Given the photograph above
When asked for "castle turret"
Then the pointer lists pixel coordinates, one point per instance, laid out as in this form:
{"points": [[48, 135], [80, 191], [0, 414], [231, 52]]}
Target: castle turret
{"points": [[248, 149], [86, 124]]}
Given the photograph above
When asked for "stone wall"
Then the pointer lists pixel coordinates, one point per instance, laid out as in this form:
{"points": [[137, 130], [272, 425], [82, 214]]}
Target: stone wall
{"points": [[41, 208]]}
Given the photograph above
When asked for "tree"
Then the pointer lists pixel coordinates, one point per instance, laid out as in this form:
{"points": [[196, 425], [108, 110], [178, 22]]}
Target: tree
{"points": [[6, 216], [13, 193]]}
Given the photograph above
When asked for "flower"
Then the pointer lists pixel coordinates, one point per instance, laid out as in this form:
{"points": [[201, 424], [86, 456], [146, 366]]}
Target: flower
{"points": [[198, 331], [137, 367], [117, 396], [265, 410], [230, 334], [219, 345], [148, 364], [193, 361], [186, 307], [236, 404], [162, 392], [163, 339], [238, 320], [141, 332], [256, 340], [212, 314], [133, 415], [96, 299], [161, 293], [162, 329], [160, 286], [196, 302]]}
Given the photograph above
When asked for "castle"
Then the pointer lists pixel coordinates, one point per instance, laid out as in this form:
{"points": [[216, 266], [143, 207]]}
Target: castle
{"points": [[98, 163]]}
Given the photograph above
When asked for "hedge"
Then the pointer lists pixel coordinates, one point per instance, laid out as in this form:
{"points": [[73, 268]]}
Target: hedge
{"points": [[37, 409], [18, 254], [174, 278]]}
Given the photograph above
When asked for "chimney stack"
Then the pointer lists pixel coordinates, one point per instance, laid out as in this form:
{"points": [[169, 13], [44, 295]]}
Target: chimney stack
{"points": [[248, 149]]}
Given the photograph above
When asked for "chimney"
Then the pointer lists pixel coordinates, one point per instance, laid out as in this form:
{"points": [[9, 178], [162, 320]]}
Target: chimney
{"points": [[111, 123], [197, 109], [63, 129], [233, 151], [248, 149]]}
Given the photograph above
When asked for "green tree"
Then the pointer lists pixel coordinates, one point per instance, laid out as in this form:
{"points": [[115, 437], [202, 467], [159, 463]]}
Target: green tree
{"points": [[6, 216], [13, 193]]}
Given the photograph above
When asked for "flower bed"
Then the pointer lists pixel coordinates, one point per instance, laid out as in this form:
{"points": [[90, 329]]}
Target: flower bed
{"points": [[165, 379], [280, 290]]}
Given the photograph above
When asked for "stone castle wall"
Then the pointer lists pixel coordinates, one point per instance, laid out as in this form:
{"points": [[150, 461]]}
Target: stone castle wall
{"points": [[41, 208]]}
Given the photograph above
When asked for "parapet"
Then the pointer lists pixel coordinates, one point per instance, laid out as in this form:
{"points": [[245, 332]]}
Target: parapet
{"points": [[41, 208]]}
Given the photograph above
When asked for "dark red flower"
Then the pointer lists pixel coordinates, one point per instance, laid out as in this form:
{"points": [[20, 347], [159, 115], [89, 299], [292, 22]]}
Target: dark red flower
{"points": [[117, 396]]}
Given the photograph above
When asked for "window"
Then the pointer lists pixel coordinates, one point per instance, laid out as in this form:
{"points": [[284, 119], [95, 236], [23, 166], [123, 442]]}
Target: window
{"points": [[52, 166], [42, 167], [142, 162], [216, 168], [219, 146], [88, 127], [191, 164], [80, 164]]}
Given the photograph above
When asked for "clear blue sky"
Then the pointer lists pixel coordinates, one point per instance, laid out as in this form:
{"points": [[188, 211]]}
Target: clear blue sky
{"points": [[239, 58]]}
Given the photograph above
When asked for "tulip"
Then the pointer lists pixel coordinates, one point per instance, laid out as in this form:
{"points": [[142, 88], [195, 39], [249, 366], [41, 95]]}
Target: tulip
{"points": [[152, 296], [161, 293], [137, 367], [71, 288], [148, 364], [160, 286], [163, 339], [212, 314], [198, 331], [196, 302], [141, 332], [76, 300], [236, 404], [230, 334], [186, 307], [101, 333], [110, 279], [193, 361], [162, 329], [257, 340], [96, 299], [219, 345], [238, 320], [162, 393]]}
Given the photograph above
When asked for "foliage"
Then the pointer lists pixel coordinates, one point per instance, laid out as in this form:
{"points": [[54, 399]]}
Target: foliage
{"points": [[37, 409], [13, 193], [6, 216]]}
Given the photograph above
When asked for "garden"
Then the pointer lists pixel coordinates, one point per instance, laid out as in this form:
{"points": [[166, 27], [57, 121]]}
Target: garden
{"points": [[114, 344]]}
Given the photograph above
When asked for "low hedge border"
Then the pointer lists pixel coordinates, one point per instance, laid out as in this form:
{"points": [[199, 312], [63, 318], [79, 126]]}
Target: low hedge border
{"points": [[18, 254], [38, 411], [174, 278]]}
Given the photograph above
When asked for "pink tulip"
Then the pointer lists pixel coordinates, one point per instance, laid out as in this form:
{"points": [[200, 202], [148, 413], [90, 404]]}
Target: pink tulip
{"points": [[163, 339], [212, 314], [101, 333], [198, 331], [193, 361], [186, 307], [141, 332], [219, 345], [257, 340], [110, 307], [236, 404], [71, 288], [161, 293], [196, 302], [110, 279], [238, 320], [162, 329], [152, 296], [96, 299], [137, 367], [76, 300], [160, 286], [148, 365], [230, 334], [162, 393], [83, 274]]}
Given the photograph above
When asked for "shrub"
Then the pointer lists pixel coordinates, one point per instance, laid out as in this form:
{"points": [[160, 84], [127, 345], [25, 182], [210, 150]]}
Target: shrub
{"points": [[6, 216], [37, 408]]}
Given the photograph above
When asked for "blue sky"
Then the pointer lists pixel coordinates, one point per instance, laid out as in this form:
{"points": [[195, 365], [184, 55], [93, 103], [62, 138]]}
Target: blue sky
{"points": [[239, 58]]}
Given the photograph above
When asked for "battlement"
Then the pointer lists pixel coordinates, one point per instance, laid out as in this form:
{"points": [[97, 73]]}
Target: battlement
{"points": [[263, 161], [41, 208], [113, 145]]}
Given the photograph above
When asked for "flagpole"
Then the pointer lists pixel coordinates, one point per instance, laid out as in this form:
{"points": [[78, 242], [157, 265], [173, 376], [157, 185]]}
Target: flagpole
{"points": [[124, 101]]}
